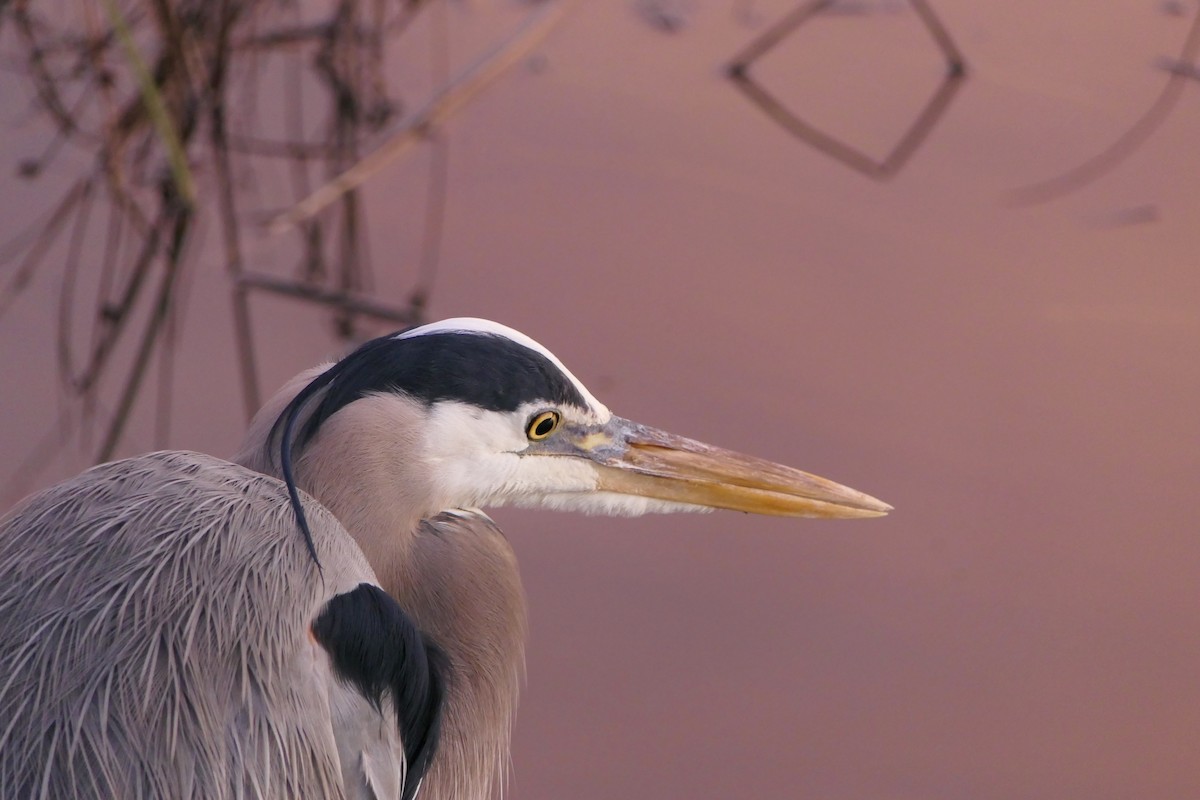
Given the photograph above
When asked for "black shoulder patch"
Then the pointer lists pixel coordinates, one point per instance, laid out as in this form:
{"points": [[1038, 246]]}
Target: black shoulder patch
{"points": [[376, 648]]}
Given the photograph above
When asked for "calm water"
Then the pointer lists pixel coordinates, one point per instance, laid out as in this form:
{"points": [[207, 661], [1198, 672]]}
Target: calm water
{"points": [[1020, 382]]}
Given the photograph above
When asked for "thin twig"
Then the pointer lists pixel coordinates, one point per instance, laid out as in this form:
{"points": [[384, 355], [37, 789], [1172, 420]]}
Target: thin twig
{"points": [[1106, 160], [44, 83], [450, 99], [775, 34], [155, 107], [52, 442], [344, 301], [115, 315], [41, 242], [913, 136], [66, 297], [439, 176], [115, 241], [181, 224], [87, 75], [231, 230]]}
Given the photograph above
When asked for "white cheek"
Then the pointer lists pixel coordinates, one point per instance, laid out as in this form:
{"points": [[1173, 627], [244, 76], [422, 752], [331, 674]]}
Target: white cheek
{"points": [[608, 504], [472, 458], [539, 476], [469, 453]]}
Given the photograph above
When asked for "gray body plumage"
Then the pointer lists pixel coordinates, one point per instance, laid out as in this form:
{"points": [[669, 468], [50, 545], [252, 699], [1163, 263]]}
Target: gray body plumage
{"points": [[155, 614], [154, 641], [138, 657]]}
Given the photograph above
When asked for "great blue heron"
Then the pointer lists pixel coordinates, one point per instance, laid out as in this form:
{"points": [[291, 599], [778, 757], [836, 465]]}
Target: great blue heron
{"points": [[174, 625]]}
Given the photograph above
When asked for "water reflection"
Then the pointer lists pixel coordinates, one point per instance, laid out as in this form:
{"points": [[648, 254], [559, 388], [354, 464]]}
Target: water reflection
{"points": [[834, 147]]}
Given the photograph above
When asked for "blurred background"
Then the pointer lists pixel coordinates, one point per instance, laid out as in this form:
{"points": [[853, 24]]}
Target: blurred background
{"points": [[944, 252]]}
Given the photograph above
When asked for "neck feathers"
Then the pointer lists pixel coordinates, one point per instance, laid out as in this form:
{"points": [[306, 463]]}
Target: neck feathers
{"points": [[453, 573]]}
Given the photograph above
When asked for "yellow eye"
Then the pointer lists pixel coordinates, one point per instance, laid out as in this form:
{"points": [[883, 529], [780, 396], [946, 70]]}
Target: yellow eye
{"points": [[542, 425]]}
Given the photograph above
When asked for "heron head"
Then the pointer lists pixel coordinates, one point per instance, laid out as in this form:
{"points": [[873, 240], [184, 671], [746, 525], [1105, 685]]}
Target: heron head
{"points": [[494, 418]]}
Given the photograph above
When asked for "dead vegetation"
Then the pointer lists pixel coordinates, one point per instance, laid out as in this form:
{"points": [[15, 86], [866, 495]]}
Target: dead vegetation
{"points": [[159, 100]]}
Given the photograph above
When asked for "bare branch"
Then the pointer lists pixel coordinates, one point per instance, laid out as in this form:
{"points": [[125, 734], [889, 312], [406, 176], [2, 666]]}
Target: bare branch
{"points": [[450, 99], [341, 300], [1128, 142]]}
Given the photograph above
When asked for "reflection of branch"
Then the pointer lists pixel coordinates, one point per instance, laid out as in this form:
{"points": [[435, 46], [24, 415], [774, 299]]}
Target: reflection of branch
{"points": [[181, 219], [931, 112], [350, 302], [231, 236], [155, 107], [776, 33], [38, 240], [450, 99], [1179, 68], [439, 174], [56, 437], [937, 30], [828, 145], [925, 122], [134, 112], [1133, 138], [66, 295], [117, 314], [43, 82]]}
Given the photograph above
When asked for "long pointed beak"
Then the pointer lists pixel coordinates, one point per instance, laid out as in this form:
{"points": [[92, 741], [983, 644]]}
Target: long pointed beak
{"points": [[636, 459]]}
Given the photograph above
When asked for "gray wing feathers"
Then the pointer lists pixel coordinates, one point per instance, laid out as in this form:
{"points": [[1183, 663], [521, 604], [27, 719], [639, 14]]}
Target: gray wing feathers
{"points": [[154, 637], [369, 746]]}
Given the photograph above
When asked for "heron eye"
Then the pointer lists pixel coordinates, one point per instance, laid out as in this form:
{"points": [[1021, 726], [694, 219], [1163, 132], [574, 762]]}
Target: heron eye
{"points": [[542, 425]]}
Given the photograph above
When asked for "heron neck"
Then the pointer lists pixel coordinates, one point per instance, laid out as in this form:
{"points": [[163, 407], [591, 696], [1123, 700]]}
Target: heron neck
{"points": [[454, 573], [462, 586]]}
